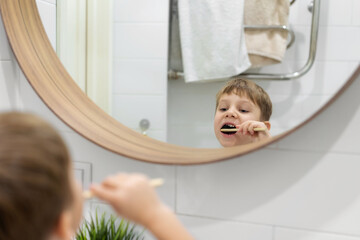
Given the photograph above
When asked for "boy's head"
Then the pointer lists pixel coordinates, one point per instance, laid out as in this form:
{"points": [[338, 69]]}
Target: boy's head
{"points": [[252, 91], [238, 101], [38, 195]]}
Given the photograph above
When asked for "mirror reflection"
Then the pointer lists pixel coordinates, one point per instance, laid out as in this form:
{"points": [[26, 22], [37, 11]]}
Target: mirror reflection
{"points": [[242, 115], [127, 56]]}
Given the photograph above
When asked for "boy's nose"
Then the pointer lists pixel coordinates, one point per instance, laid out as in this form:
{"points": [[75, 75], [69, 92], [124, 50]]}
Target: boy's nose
{"points": [[231, 113]]}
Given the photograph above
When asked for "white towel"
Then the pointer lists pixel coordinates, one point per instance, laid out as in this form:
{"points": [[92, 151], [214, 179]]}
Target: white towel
{"points": [[266, 46], [212, 39]]}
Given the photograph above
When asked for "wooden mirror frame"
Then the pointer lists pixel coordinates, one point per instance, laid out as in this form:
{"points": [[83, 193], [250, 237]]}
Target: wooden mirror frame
{"points": [[56, 88]]}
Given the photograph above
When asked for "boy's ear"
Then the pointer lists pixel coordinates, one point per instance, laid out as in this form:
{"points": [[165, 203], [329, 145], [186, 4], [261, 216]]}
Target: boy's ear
{"points": [[268, 125], [63, 229]]}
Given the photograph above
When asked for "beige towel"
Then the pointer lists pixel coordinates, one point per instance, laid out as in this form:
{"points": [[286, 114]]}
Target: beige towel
{"points": [[266, 46]]}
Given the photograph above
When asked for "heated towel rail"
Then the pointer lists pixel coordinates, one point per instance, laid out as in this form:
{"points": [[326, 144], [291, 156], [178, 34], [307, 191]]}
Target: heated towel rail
{"points": [[315, 9]]}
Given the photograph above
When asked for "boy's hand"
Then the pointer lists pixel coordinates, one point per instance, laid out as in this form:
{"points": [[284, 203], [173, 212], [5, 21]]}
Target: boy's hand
{"points": [[247, 128], [131, 195]]}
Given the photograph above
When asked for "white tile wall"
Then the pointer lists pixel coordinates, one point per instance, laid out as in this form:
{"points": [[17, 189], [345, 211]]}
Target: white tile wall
{"points": [[47, 1], [286, 117], [338, 132], [181, 135], [136, 41], [304, 187], [140, 64], [211, 229], [332, 12], [132, 108], [139, 76], [355, 13], [9, 88], [285, 234], [341, 9], [6, 53], [141, 11], [339, 43], [279, 188]]}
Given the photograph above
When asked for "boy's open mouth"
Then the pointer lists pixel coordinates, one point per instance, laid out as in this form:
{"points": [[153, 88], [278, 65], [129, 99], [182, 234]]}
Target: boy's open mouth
{"points": [[228, 126]]}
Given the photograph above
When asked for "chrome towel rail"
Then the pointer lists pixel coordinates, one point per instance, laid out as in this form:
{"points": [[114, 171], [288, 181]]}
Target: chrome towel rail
{"points": [[283, 27]]}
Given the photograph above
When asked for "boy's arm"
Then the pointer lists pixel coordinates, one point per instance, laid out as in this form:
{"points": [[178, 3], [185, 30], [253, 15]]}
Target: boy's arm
{"points": [[166, 226], [132, 197]]}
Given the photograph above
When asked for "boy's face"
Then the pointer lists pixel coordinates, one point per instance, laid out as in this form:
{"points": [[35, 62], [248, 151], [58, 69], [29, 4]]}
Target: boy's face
{"points": [[234, 110]]}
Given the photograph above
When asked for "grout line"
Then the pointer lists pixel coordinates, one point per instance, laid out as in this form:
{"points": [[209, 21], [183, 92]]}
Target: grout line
{"points": [[271, 225], [317, 231], [147, 23], [317, 151], [175, 188], [352, 14], [341, 60], [47, 2], [19, 106], [139, 94], [273, 232], [224, 219], [147, 59]]}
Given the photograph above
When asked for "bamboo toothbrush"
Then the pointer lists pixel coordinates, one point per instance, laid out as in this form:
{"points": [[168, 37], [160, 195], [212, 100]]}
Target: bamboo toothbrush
{"points": [[236, 129], [156, 182]]}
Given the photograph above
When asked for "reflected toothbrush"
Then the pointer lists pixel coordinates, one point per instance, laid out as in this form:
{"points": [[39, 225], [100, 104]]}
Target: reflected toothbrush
{"points": [[236, 129]]}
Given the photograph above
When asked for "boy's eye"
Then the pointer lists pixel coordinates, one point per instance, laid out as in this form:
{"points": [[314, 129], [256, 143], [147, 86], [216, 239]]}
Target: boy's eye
{"points": [[243, 110], [223, 109]]}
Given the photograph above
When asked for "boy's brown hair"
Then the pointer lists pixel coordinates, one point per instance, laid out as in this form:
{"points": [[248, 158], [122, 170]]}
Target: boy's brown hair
{"points": [[244, 87], [34, 177]]}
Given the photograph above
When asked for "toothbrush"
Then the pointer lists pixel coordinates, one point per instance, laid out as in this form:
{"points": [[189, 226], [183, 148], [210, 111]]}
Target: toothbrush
{"points": [[156, 182], [236, 129], [259, 129]]}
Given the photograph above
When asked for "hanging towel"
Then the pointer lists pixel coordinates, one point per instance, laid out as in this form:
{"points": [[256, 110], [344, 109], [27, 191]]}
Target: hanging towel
{"points": [[266, 46], [212, 39]]}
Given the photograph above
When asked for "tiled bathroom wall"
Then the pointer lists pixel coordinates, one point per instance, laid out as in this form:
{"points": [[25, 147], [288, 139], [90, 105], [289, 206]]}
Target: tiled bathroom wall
{"points": [[304, 187], [140, 62]]}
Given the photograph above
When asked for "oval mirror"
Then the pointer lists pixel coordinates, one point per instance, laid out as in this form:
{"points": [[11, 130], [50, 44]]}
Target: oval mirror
{"points": [[55, 86]]}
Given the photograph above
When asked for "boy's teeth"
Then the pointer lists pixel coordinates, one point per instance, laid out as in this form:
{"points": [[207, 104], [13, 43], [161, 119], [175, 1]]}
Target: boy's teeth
{"points": [[229, 126]]}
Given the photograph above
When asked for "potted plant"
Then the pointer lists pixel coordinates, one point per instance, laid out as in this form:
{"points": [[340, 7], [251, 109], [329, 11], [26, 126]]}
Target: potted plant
{"points": [[107, 228]]}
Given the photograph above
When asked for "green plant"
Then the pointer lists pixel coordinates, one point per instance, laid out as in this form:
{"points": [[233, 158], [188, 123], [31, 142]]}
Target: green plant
{"points": [[104, 228]]}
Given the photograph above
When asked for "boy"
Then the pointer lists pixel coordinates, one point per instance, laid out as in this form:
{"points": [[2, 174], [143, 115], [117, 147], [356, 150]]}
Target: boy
{"points": [[243, 110], [40, 200]]}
